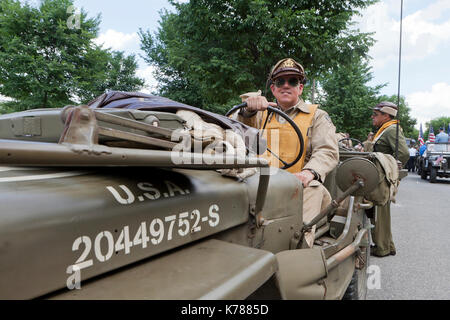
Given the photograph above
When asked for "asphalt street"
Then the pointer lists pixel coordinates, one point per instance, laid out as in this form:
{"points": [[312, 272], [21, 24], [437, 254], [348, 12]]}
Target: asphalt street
{"points": [[420, 228]]}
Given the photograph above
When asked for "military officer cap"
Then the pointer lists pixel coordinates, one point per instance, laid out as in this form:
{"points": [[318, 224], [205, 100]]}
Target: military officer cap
{"points": [[386, 107], [287, 67]]}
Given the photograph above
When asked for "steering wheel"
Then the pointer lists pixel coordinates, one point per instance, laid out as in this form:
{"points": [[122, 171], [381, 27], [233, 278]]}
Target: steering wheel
{"points": [[289, 120], [352, 148]]}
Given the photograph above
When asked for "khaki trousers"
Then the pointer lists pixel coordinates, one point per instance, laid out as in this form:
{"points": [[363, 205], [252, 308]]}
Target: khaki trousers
{"points": [[315, 198], [382, 234]]}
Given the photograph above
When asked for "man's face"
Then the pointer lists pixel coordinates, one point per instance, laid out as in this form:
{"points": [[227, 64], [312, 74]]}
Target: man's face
{"points": [[286, 91], [379, 118]]}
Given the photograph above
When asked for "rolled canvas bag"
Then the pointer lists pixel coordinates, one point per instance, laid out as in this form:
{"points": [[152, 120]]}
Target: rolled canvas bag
{"points": [[388, 179]]}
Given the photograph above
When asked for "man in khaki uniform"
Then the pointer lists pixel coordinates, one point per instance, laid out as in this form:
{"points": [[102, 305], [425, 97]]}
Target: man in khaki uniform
{"points": [[384, 141], [318, 131]]}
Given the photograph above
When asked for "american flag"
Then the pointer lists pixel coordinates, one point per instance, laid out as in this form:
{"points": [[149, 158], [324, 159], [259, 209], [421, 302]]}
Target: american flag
{"points": [[431, 136], [421, 136]]}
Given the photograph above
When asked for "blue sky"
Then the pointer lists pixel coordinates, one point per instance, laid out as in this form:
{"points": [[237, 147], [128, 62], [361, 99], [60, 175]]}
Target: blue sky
{"points": [[425, 73], [125, 16]]}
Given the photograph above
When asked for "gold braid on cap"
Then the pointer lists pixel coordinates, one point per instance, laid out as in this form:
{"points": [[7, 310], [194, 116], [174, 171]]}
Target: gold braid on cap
{"points": [[288, 65]]}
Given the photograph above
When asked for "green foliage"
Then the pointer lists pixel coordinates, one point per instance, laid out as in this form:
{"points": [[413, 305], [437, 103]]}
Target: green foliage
{"points": [[210, 51], [436, 124], [4, 107], [348, 98], [44, 63]]}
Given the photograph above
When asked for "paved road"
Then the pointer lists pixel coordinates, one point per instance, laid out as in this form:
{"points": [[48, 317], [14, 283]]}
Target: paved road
{"points": [[421, 232]]}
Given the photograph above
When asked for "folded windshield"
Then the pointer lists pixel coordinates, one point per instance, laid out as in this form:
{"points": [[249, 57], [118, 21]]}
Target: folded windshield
{"points": [[438, 147]]}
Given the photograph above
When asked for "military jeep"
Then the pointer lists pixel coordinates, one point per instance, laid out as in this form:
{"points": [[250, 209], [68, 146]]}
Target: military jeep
{"points": [[96, 204], [434, 161]]}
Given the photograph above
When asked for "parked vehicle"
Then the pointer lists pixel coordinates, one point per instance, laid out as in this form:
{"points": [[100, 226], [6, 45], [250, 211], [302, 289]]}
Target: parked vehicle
{"points": [[96, 204], [434, 161]]}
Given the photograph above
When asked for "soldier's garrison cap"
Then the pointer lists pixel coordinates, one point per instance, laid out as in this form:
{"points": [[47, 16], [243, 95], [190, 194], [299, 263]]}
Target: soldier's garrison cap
{"points": [[386, 107]]}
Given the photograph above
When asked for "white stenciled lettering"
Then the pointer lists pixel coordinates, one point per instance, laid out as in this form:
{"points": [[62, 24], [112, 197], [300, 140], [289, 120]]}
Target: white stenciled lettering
{"points": [[196, 227], [130, 196], [97, 246], [152, 193], [214, 214], [141, 236], [123, 242], [157, 234], [170, 219], [172, 188], [106, 243], [87, 248], [183, 221]]}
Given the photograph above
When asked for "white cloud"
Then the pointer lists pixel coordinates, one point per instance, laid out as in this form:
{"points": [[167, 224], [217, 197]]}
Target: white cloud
{"points": [[128, 42], [146, 74], [423, 37], [428, 105], [376, 19], [118, 40], [435, 10], [422, 34]]}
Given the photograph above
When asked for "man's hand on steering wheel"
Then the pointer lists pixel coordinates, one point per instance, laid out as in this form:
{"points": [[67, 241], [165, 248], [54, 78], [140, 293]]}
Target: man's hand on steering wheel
{"points": [[258, 103]]}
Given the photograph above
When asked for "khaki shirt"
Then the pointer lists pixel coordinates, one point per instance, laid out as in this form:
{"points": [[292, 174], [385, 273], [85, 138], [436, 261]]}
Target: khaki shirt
{"points": [[322, 152]]}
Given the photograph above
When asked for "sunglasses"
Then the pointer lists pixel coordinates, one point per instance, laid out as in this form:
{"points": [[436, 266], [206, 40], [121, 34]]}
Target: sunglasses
{"points": [[376, 114], [293, 82]]}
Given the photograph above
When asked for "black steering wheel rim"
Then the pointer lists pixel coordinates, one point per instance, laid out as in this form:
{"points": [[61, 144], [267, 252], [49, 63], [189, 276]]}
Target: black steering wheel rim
{"points": [[289, 120]]}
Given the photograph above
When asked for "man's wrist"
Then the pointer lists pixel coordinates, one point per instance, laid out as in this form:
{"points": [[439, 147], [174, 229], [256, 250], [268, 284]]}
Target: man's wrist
{"points": [[315, 174]]}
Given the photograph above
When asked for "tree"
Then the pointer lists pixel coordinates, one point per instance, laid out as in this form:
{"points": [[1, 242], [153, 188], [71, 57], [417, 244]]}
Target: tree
{"points": [[210, 51], [347, 98], [46, 62], [115, 72]]}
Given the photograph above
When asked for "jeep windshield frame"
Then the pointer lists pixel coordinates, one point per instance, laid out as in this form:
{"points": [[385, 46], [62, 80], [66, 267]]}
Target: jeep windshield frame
{"points": [[438, 148]]}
